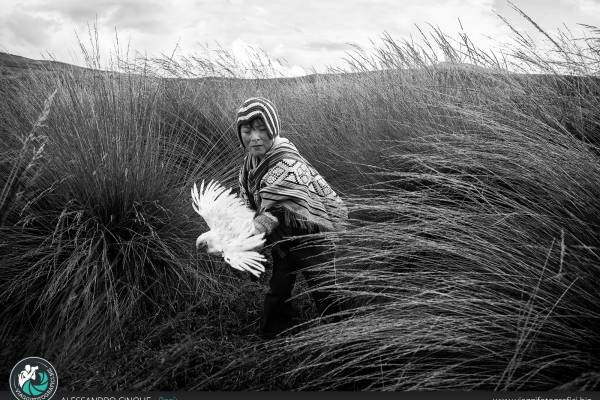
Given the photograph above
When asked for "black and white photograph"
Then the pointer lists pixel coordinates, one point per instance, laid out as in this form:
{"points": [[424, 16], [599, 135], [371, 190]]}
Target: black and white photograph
{"points": [[299, 196]]}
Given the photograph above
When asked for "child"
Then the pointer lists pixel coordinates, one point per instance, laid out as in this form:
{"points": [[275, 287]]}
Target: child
{"points": [[290, 199]]}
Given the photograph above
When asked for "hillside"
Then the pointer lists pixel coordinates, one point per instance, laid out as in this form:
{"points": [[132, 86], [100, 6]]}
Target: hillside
{"points": [[469, 261], [12, 65]]}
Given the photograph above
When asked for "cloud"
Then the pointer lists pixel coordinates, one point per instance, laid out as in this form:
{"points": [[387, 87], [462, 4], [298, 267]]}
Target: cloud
{"points": [[29, 30], [327, 46], [587, 7], [248, 61], [141, 15], [318, 33], [148, 18], [315, 34], [76, 11]]}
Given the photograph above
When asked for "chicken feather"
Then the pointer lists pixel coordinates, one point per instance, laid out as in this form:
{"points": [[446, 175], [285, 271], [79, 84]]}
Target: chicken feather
{"points": [[231, 227]]}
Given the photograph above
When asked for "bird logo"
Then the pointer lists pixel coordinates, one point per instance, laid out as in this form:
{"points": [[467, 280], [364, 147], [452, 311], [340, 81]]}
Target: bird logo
{"points": [[231, 228]]}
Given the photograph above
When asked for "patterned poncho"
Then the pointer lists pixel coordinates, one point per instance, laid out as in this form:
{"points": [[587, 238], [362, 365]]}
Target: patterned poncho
{"points": [[286, 186]]}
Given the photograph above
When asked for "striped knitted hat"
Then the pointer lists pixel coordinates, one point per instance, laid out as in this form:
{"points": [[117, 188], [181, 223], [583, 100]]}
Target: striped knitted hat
{"points": [[258, 107]]}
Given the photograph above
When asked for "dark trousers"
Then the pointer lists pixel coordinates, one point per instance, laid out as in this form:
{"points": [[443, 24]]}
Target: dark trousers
{"points": [[290, 257]]}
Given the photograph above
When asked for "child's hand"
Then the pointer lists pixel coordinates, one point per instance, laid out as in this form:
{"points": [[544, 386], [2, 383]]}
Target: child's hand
{"points": [[265, 223]]}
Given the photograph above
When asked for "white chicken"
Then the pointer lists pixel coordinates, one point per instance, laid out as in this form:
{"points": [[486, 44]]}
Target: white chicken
{"points": [[231, 227]]}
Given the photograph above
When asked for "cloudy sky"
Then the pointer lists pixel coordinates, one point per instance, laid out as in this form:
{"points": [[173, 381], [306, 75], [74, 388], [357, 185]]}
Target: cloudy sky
{"points": [[308, 34]]}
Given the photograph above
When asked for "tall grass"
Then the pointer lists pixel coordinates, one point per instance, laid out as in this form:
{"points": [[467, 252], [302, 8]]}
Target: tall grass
{"points": [[474, 261], [472, 264], [32, 147], [471, 257], [105, 237], [464, 283]]}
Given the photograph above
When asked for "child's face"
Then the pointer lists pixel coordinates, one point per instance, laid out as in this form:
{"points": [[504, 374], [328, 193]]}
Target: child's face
{"points": [[255, 137]]}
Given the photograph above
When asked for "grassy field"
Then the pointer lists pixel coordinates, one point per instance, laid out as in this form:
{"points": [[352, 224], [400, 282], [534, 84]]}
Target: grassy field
{"points": [[470, 260]]}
